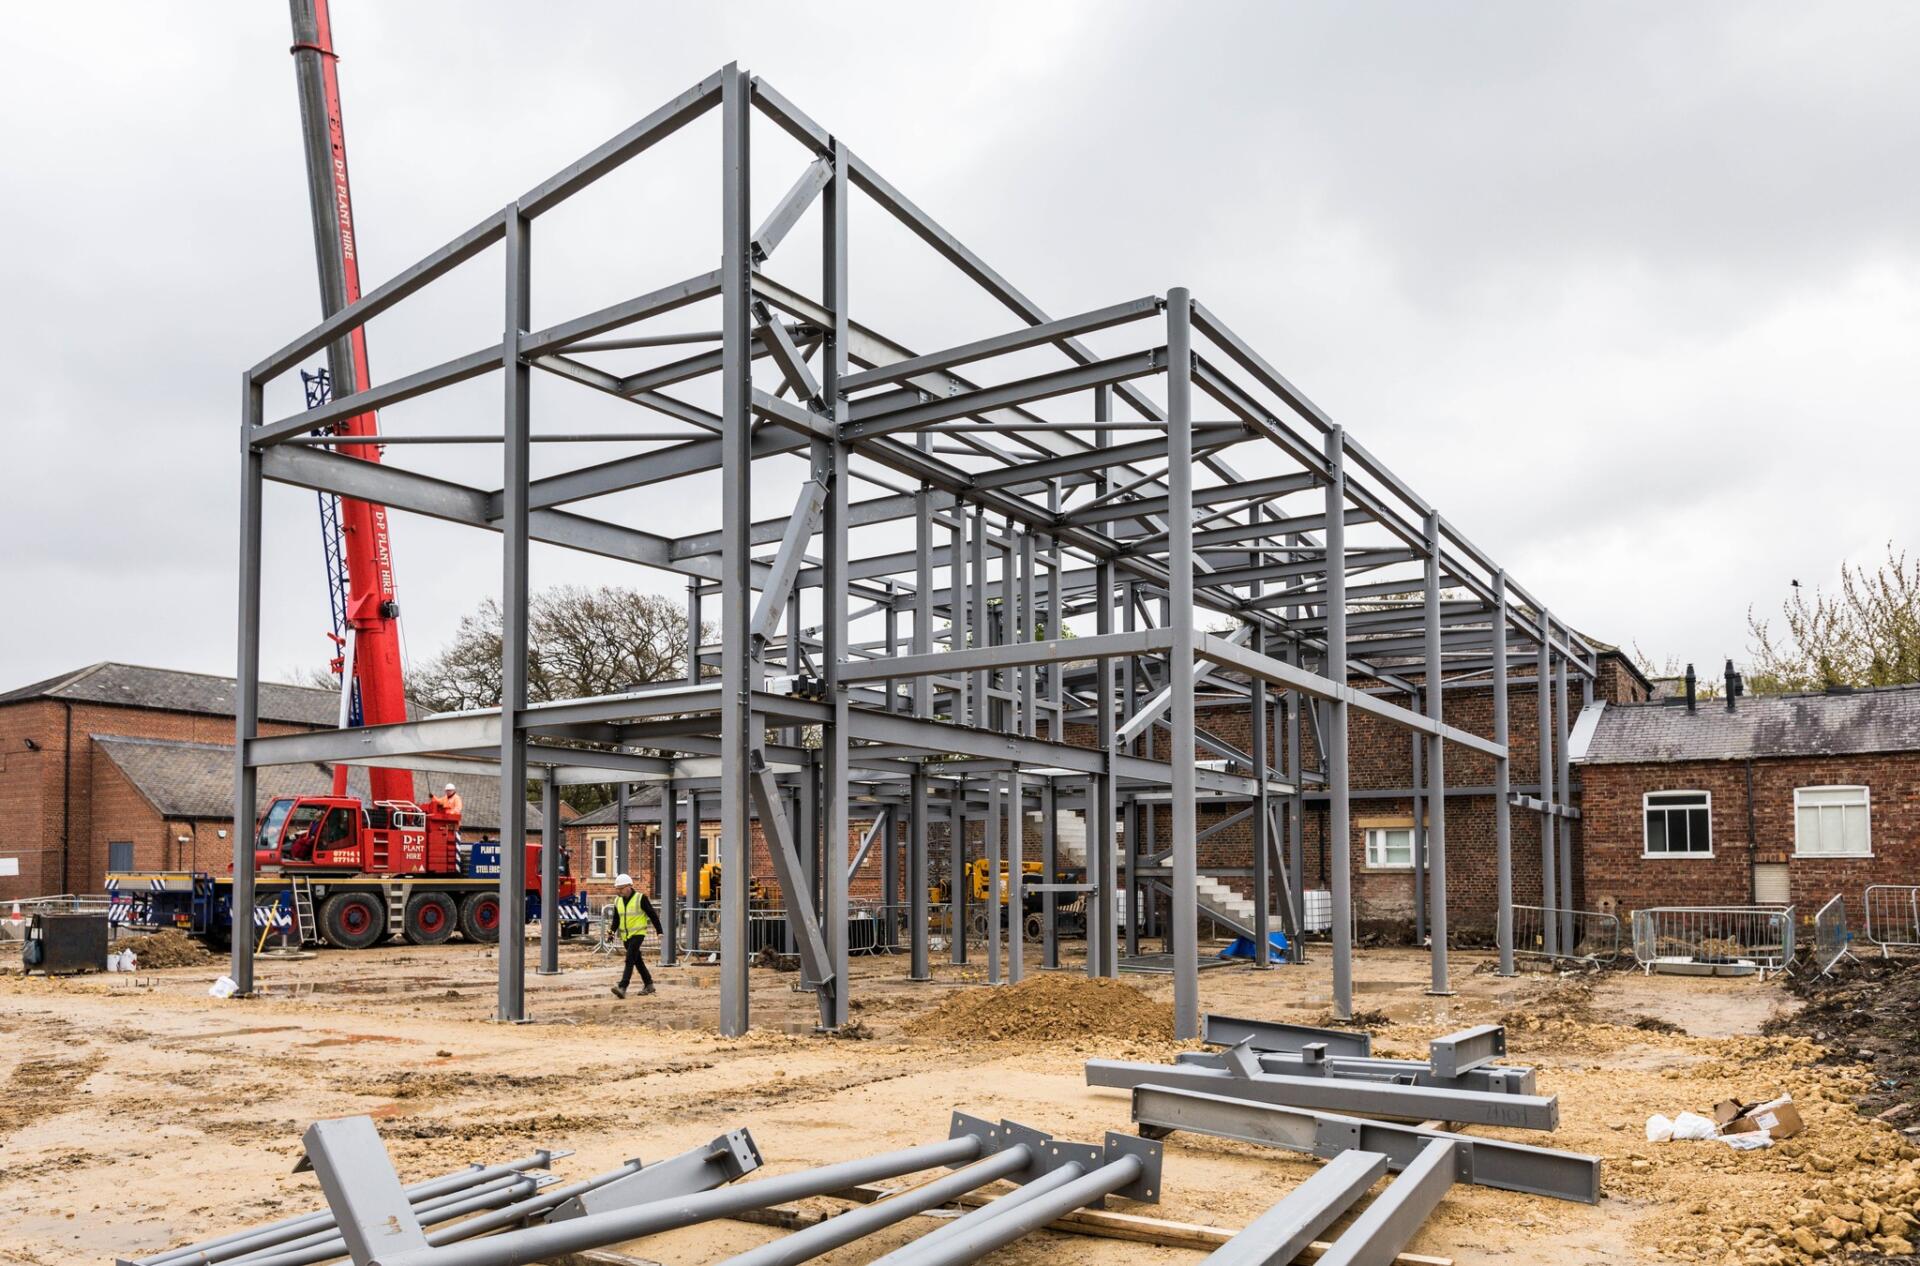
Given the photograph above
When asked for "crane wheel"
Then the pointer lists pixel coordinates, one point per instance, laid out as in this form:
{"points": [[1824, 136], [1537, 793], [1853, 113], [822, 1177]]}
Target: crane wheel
{"points": [[352, 920], [1034, 927], [430, 919], [480, 918]]}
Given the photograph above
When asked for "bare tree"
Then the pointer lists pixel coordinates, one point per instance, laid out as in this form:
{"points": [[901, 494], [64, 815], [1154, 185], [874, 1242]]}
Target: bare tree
{"points": [[1866, 634], [580, 641]]}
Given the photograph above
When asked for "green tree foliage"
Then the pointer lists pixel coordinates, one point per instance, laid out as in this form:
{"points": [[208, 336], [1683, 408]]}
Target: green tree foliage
{"points": [[1867, 633], [580, 641]]}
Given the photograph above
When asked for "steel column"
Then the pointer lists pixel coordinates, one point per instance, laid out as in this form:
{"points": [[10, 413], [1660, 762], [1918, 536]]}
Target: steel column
{"points": [[736, 593], [1339, 830], [1436, 767], [550, 845], [246, 692], [1542, 679], [1185, 944], [1502, 788], [511, 1005]]}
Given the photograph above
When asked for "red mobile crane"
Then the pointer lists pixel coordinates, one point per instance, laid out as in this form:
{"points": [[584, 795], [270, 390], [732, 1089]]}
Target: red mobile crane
{"points": [[331, 867], [391, 836]]}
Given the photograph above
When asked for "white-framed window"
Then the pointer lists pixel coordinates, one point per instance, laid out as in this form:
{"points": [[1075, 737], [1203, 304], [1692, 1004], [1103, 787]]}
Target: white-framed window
{"points": [[1832, 822], [1390, 848], [602, 846], [1678, 823]]}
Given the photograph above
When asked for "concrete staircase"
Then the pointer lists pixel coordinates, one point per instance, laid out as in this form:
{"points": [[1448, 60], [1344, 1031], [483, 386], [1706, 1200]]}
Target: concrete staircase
{"points": [[1215, 897]]}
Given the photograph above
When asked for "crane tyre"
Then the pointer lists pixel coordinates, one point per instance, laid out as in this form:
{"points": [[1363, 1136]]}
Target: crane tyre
{"points": [[352, 920], [480, 918], [430, 919], [1034, 927]]}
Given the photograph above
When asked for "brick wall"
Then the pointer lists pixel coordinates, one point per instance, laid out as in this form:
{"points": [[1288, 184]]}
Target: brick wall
{"points": [[65, 852], [1618, 872]]}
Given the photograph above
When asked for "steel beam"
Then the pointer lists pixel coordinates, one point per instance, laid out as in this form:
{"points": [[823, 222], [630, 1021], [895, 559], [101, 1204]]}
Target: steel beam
{"points": [[1483, 1162], [1283, 1232], [732, 1155], [1274, 1035], [1396, 1215], [1457, 1053], [1336, 1094]]}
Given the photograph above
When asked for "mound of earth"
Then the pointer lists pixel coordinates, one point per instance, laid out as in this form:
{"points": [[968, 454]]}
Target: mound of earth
{"points": [[1864, 1013], [170, 948], [1047, 1007]]}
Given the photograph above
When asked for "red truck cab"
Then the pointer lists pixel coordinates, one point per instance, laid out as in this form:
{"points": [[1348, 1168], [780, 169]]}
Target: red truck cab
{"points": [[343, 835]]}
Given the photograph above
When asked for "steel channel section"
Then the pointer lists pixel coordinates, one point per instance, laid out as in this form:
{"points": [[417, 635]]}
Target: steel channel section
{"points": [[1484, 1162], [1337, 1094], [835, 736], [555, 1239], [1180, 664], [1459, 1053], [1283, 1232], [1396, 1215]]}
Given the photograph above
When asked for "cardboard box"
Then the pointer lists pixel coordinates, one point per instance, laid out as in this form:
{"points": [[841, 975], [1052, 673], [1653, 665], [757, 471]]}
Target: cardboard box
{"points": [[1778, 1117]]}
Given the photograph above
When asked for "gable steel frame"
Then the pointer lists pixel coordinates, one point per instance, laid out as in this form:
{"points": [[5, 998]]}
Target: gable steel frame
{"points": [[953, 692]]}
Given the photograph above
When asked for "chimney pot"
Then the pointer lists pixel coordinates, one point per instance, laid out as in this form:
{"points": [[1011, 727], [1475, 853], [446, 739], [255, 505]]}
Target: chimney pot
{"points": [[1692, 688]]}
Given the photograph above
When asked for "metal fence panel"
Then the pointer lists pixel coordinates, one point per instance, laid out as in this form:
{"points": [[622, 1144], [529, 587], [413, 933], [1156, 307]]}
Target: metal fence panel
{"points": [[1893, 916], [1714, 940], [1831, 940], [1596, 936]]}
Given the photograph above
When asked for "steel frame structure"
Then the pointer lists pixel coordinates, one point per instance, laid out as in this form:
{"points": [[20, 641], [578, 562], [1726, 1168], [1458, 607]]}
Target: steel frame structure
{"points": [[1040, 504]]}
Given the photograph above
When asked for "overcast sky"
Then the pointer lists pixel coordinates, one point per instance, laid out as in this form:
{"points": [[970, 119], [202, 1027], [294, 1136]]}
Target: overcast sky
{"points": [[1631, 293]]}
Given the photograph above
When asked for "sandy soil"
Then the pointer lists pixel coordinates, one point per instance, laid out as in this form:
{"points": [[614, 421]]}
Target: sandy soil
{"points": [[137, 1112]]}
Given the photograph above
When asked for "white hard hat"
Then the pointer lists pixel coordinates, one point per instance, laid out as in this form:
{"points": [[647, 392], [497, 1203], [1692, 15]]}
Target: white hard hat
{"points": [[623, 881], [449, 787]]}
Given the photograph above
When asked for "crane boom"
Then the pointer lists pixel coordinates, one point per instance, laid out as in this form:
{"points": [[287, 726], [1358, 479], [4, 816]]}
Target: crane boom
{"points": [[372, 610]]}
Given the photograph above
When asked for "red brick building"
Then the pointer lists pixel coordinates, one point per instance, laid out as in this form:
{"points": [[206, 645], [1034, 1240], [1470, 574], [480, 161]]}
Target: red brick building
{"points": [[122, 766], [1782, 798]]}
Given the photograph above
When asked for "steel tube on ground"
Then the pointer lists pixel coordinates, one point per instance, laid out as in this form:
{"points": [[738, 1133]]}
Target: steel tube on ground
{"points": [[538, 1203], [424, 1210], [446, 1209], [227, 1246], [598, 1229], [826, 1236], [910, 1253], [1010, 1223]]}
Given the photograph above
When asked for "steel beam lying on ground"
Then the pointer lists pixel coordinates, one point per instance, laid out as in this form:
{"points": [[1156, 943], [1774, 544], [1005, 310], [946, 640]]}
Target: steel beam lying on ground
{"points": [[715, 1164], [1283, 1232], [1483, 1162], [257, 1239], [1493, 1081], [1336, 1094], [1118, 1168], [1457, 1053], [1396, 1214], [1273, 1035]]}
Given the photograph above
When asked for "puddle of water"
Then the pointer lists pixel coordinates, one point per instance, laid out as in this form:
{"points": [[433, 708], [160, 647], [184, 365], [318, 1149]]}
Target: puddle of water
{"points": [[1386, 986], [354, 1039]]}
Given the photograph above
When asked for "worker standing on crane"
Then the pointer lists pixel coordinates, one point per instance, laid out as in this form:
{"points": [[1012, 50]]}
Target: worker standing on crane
{"points": [[633, 917]]}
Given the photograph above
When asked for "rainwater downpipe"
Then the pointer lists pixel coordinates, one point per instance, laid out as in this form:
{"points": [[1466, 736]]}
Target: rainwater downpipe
{"points": [[1753, 844], [66, 802]]}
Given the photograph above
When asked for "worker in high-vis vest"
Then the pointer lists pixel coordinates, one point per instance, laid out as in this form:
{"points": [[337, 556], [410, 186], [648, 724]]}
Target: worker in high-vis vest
{"points": [[633, 918]]}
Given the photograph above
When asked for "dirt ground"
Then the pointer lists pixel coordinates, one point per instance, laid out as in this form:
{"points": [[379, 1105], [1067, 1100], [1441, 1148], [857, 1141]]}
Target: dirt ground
{"points": [[137, 1112]]}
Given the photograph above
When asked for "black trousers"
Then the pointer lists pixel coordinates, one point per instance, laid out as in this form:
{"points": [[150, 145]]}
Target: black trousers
{"points": [[634, 960]]}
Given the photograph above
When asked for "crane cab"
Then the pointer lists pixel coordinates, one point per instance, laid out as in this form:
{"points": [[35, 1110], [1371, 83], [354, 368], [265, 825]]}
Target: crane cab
{"points": [[344, 835]]}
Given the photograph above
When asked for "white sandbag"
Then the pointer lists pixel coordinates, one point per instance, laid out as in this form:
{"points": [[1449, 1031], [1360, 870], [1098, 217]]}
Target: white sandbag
{"points": [[1659, 1129]]}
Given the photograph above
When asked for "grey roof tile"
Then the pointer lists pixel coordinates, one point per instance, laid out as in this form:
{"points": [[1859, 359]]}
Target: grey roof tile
{"points": [[1879, 720]]}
